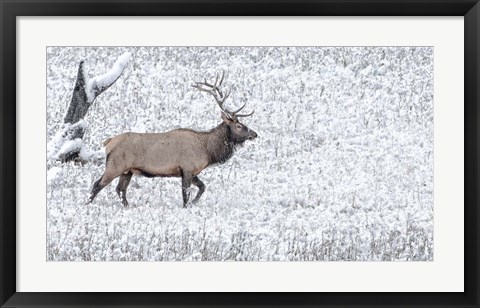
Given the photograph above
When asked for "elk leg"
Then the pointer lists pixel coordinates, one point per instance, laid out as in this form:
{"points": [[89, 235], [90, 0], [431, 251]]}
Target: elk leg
{"points": [[201, 188], [119, 186], [95, 190], [100, 184], [186, 182], [123, 183]]}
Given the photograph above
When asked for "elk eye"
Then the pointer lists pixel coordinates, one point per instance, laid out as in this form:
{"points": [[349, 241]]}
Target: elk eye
{"points": [[239, 126]]}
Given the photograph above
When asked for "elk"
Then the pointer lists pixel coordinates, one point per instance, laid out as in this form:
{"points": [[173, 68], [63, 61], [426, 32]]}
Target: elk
{"points": [[180, 153]]}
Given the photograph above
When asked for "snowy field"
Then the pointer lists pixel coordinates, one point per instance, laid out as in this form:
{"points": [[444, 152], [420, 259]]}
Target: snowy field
{"points": [[342, 169]]}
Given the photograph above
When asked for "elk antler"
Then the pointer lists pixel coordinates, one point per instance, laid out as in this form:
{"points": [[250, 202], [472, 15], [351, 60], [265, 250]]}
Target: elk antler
{"points": [[235, 115], [220, 97]]}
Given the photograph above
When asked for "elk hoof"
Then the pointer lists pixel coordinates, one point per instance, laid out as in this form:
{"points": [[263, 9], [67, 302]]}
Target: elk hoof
{"points": [[89, 200]]}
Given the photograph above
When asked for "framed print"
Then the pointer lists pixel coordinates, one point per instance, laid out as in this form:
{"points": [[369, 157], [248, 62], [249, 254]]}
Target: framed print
{"points": [[239, 154]]}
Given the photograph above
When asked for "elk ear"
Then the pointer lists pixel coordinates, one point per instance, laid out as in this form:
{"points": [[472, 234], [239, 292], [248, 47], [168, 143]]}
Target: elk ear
{"points": [[225, 118]]}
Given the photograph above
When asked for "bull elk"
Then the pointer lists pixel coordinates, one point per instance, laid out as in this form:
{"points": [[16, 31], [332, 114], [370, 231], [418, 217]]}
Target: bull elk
{"points": [[178, 153]]}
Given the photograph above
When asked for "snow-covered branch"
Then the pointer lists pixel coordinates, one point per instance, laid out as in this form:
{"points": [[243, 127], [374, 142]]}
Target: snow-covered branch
{"points": [[66, 141], [67, 144], [98, 84]]}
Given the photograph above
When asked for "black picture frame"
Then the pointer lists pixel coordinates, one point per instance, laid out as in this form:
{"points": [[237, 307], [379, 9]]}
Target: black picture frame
{"points": [[10, 9]]}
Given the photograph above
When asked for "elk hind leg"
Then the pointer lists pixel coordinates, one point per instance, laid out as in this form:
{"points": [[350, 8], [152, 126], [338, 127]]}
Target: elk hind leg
{"points": [[122, 186], [186, 183], [201, 188], [100, 184]]}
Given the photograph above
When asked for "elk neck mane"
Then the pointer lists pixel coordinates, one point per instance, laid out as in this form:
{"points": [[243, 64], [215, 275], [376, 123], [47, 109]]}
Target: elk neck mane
{"points": [[219, 144]]}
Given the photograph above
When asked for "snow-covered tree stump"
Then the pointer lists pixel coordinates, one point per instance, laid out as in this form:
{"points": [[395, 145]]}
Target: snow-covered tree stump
{"points": [[67, 144]]}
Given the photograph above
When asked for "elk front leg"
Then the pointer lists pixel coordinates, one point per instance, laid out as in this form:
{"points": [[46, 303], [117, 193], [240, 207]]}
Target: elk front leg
{"points": [[201, 188], [186, 183], [123, 183]]}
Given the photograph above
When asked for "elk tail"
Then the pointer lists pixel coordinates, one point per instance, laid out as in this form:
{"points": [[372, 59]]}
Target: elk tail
{"points": [[106, 142]]}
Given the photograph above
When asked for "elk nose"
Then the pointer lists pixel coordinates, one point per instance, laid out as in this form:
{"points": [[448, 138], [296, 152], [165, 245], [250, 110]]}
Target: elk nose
{"points": [[253, 135]]}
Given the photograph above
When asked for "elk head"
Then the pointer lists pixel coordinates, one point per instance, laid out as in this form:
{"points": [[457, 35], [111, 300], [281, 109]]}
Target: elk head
{"points": [[239, 132]]}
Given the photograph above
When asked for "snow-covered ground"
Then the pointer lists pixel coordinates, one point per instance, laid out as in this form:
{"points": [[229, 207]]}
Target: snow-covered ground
{"points": [[342, 168]]}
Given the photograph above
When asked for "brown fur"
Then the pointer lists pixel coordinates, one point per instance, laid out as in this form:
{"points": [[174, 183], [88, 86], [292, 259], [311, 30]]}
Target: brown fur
{"points": [[178, 153]]}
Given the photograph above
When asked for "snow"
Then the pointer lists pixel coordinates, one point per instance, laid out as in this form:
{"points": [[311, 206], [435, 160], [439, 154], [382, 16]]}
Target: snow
{"points": [[342, 168], [94, 85], [53, 173], [62, 142]]}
